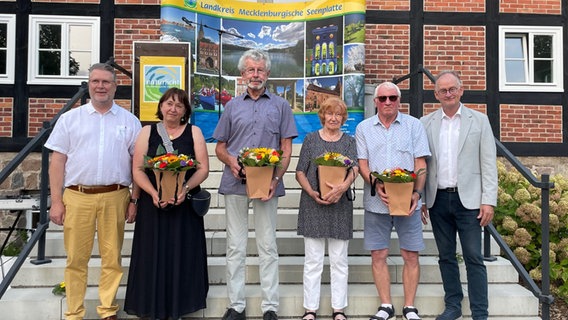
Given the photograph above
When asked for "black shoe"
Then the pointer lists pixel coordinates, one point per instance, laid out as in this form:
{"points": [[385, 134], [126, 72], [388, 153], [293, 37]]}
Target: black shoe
{"points": [[232, 314], [406, 310], [270, 315], [450, 315], [389, 310]]}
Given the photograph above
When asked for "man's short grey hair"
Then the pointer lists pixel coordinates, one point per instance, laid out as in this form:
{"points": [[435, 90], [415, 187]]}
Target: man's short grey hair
{"points": [[255, 55], [445, 72], [104, 67], [387, 84]]}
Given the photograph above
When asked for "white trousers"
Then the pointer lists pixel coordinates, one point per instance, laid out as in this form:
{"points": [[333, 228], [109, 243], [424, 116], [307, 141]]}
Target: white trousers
{"points": [[236, 207], [314, 249]]}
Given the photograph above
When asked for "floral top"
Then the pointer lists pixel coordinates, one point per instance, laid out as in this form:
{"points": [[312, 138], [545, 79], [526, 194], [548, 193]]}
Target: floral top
{"points": [[324, 221]]}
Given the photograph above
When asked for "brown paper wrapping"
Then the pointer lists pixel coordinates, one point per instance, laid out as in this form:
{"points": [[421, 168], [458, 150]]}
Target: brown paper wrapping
{"points": [[258, 181], [400, 197], [168, 182], [331, 174]]}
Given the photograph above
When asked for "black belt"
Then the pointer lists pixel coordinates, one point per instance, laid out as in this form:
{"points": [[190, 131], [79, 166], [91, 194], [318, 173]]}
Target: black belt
{"points": [[450, 189], [97, 189]]}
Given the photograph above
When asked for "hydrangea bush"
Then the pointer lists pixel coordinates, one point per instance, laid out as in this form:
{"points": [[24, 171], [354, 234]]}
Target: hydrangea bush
{"points": [[518, 220]]}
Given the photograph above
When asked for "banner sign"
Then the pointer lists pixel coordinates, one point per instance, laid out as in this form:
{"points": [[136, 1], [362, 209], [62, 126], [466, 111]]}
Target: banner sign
{"points": [[316, 49], [157, 74]]}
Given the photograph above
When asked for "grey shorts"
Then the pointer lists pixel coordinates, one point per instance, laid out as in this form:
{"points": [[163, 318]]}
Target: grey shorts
{"points": [[378, 228]]}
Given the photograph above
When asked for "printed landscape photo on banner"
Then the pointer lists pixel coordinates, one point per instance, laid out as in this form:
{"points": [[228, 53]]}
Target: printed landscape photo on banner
{"points": [[317, 51]]}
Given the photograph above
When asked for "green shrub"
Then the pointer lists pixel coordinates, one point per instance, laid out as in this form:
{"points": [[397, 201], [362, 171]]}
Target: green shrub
{"points": [[14, 247], [518, 220]]}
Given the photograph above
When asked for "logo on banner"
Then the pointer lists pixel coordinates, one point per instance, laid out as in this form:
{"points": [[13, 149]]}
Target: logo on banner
{"points": [[190, 3], [158, 79]]}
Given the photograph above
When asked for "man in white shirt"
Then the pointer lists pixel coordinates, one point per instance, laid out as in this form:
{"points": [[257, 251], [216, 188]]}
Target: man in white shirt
{"points": [[392, 139], [460, 192], [89, 176]]}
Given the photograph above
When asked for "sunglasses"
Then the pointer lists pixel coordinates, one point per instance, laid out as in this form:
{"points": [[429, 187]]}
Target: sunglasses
{"points": [[384, 98]]}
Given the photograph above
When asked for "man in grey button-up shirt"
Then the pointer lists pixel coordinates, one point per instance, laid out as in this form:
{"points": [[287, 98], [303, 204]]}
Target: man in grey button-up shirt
{"points": [[254, 119]]}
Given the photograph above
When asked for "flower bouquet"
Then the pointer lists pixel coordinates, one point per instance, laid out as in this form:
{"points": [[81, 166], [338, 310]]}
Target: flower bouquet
{"points": [[332, 168], [399, 185], [59, 289], [259, 163], [167, 168]]}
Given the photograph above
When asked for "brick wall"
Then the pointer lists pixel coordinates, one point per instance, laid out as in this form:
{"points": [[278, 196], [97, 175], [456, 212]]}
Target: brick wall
{"points": [[534, 6], [41, 110], [388, 5], [126, 31], [6, 107], [431, 107], [461, 48], [387, 52], [531, 123], [454, 5]]}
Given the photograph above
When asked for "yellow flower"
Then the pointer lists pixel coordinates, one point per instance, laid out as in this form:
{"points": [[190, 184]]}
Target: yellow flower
{"points": [[333, 159], [259, 157]]}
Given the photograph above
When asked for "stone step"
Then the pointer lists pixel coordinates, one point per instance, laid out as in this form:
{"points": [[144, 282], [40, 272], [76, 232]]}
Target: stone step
{"points": [[287, 220], [291, 271], [289, 243], [40, 303]]}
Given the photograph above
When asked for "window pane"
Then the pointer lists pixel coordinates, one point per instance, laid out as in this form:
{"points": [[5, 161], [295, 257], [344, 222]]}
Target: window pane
{"points": [[79, 63], [515, 71], [543, 71], [542, 46], [514, 48], [3, 62], [80, 37], [49, 63], [49, 36], [3, 35]]}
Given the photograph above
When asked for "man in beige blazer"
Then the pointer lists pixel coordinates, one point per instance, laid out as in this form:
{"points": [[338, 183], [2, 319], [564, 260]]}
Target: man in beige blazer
{"points": [[460, 192]]}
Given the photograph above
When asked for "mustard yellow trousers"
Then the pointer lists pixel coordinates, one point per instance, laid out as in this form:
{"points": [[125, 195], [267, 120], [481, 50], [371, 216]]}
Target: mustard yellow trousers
{"points": [[85, 214]]}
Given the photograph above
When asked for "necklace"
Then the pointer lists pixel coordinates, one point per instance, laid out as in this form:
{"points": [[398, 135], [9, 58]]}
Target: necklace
{"points": [[172, 134], [333, 138]]}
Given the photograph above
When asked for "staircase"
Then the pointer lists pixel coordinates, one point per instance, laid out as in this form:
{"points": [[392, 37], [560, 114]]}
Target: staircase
{"points": [[30, 294]]}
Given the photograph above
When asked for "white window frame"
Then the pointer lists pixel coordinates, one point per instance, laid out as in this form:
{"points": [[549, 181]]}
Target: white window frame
{"points": [[33, 57], [10, 21], [557, 84]]}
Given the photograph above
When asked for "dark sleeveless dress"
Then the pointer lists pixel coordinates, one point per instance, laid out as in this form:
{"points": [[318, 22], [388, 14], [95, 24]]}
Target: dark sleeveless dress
{"points": [[168, 267]]}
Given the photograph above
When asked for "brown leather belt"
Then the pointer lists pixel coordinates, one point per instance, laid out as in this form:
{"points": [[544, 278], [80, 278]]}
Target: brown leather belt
{"points": [[97, 189]]}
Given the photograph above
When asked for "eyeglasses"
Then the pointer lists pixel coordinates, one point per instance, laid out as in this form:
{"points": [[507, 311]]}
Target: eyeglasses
{"points": [[384, 98], [255, 70], [452, 91], [176, 105], [97, 82]]}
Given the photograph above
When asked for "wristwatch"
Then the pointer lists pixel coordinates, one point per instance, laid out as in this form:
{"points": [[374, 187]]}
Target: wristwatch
{"points": [[419, 194], [135, 201], [277, 179]]}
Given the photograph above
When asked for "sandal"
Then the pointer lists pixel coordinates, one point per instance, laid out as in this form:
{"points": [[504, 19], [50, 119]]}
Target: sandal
{"points": [[339, 313], [309, 313], [389, 310], [407, 310]]}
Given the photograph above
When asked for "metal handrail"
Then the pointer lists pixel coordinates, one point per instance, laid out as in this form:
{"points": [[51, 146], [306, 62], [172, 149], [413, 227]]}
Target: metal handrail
{"points": [[543, 294], [39, 234]]}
